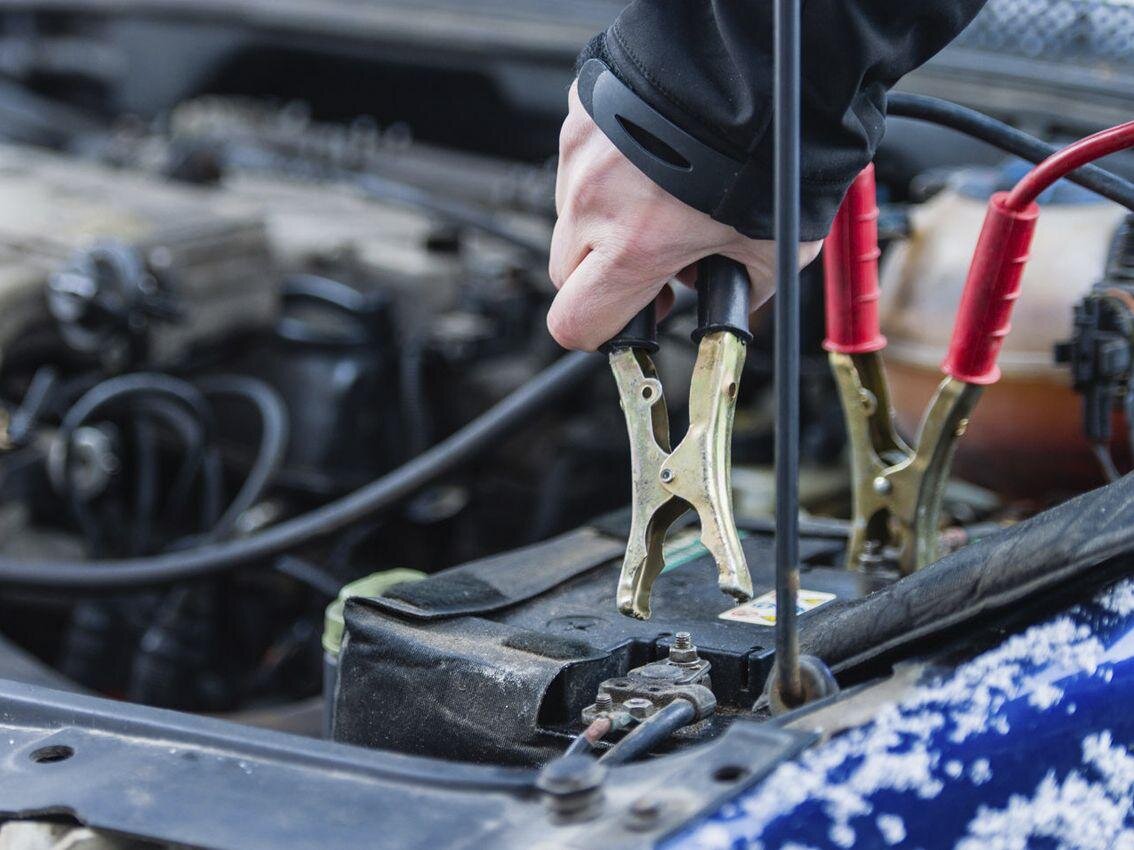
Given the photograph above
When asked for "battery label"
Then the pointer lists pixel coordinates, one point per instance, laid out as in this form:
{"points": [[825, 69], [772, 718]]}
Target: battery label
{"points": [[761, 611]]}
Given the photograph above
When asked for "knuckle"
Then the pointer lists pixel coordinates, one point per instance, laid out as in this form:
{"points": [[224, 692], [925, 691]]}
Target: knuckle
{"points": [[576, 127], [587, 197], [564, 330]]}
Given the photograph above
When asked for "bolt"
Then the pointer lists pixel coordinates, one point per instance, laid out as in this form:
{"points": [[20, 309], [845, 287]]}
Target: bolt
{"points": [[667, 475], [638, 707], [643, 813], [604, 702], [883, 485], [683, 650], [572, 787], [871, 557]]}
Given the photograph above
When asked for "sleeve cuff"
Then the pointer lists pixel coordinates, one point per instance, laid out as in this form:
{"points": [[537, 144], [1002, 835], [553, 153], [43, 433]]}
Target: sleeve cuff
{"points": [[734, 191]]}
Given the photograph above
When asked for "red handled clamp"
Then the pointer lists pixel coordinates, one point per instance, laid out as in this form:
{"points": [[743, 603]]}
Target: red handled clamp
{"points": [[897, 488]]}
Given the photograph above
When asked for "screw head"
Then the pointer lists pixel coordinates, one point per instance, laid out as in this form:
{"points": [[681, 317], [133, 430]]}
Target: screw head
{"points": [[644, 812], [638, 707], [883, 486], [572, 787], [571, 775]]}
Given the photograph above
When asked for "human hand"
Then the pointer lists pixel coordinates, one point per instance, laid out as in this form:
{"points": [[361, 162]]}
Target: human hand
{"points": [[621, 238]]}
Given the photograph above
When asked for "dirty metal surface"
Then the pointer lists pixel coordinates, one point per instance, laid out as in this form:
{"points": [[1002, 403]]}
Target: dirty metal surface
{"points": [[200, 782]]}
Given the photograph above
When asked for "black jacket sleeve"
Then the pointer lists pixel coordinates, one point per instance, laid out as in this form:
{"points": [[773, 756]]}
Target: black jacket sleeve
{"points": [[706, 66]]}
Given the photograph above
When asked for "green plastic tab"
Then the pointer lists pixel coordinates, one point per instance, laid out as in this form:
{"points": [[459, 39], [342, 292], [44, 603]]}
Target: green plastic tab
{"points": [[374, 584]]}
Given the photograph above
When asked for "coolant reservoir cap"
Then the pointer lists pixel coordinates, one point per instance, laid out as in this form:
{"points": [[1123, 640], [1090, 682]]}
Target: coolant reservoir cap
{"points": [[374, 584]]}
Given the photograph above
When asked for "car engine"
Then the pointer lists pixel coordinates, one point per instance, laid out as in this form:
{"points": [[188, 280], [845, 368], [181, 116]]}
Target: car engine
{"points": [[265, 314]]}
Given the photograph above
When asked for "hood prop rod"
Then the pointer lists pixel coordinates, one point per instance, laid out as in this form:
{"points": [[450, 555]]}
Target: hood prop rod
{"points": [[794, 680]]}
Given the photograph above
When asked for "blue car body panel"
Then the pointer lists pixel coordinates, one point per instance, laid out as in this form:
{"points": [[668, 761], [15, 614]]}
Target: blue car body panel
{"points": [[1029, 744]]}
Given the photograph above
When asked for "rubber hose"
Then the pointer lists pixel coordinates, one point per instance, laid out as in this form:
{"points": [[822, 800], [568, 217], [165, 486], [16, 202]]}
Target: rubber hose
{"points": [[274, 432], [1006, 138], [484, 432]]}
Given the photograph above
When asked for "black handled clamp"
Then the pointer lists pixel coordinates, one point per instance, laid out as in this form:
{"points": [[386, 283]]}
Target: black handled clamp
{"points": [[698, 473]]}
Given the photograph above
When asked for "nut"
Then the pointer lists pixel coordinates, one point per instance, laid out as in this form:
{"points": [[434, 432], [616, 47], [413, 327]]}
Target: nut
{"points": [[683, 650], [638, 707], [644, 813], [572, 787]]}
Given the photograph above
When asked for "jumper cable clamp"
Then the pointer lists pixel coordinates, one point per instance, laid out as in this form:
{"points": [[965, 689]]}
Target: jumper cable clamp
{"points": [[898, 488], [697, 473]]}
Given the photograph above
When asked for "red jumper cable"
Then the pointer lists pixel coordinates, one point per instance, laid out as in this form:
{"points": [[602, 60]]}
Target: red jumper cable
{"points": [[897, 488]]}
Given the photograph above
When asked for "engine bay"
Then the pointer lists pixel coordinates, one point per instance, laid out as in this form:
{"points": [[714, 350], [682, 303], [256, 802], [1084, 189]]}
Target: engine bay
{"points": [[284, 440]]}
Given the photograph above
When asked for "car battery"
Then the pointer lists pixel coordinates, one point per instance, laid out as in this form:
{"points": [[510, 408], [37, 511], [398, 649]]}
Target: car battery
{"points": [[495, 660]]}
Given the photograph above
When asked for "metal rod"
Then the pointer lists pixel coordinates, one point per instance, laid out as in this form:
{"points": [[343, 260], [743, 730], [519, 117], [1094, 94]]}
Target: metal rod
{"points": [[787, 353]]}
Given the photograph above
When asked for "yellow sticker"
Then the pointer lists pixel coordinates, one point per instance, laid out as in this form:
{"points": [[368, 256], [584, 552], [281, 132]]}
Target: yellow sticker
{"points": [[762, 610]]}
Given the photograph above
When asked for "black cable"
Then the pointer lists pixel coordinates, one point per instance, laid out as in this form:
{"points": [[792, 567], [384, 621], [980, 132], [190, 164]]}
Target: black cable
{"points": [[328, 292], [138, 383], [484, 432], [90, 527], [190, 431], [413, 397], [164, 390], [35, 401], [307, 573], [274, 432], [182, 408], [1106, 461], [651, 732], [212, 493], [145, 482], [1006, 138], [787, 347]]}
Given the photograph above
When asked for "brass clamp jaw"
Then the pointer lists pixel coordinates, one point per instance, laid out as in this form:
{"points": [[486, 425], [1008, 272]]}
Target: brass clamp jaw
{"points": [[697, 474], [896, 489]]}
